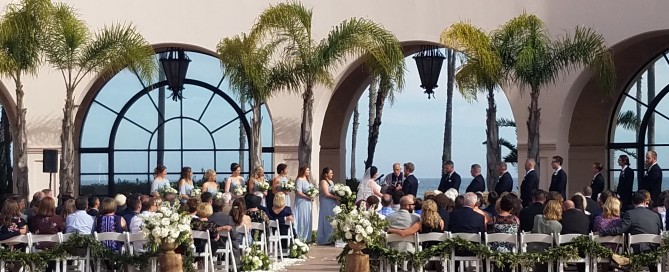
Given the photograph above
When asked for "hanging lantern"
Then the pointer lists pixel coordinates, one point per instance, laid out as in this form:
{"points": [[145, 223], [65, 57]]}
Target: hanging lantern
{"points": [[429, 62], [175, 65]]}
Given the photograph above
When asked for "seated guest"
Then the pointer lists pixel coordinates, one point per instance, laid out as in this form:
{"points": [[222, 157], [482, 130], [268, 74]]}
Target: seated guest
{"points": [[238, 213], [419, 206], [549, 221], [443, 205], [46, 221], [431, 221], [149, 207], [491, 208], [283, 214], [222, 219], [459, 202], [591, 204], [93, 205], [68, 208], [386, 201], [528, 214], [553, 195], [22, 205], [252, 210], [404, 222], [34, 204], [477, 208], [574, 221], [108, 221], [397, 195], [227, 205], [580, 203], [373, 203], [80, 221], [191, 206], [202, 223], [133, 208], [59, 209], [466, 219], [610, 217], [207, 197], [121, 204], [660, 208], [12, 224], [505, 221], [452, 193]]}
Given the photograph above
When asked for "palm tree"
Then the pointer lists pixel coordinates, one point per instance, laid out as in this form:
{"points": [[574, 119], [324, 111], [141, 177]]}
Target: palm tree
{"points": [[248, 66], [448, 123], [389, 84], [651, 97], [481, 72], [373, 94], [354, 139], [72, 49], [534, 61], [512, 157], [290, 24], [22, 34]]}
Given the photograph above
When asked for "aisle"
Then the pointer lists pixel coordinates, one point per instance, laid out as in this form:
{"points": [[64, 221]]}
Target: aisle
{"points": [[321, 258]]}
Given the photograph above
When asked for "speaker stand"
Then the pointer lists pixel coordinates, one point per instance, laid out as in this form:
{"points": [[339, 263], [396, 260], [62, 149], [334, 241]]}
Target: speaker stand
{"points": [[50, 178]]}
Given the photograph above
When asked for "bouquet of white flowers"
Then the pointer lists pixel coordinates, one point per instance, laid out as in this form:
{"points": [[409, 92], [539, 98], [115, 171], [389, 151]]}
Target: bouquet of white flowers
{"points": [[299, 250], [312, 192], [287, 185], [166, 226], [255, 259], [357, 225], [195, 192], [263, 186], [167, 190], [345, 194], [218, 195], [239, 190]]}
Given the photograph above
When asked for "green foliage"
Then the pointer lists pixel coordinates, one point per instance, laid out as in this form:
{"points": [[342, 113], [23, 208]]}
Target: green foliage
{"points": [[255, 259], [22, 35]]}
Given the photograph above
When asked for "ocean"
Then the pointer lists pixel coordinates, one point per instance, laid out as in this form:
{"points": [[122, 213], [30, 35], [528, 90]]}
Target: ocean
{"points": [[431, 184]]}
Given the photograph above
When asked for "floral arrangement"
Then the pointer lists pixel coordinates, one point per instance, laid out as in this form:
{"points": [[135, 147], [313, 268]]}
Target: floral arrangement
{"points": [[263, 186], [299, 250], [288, 185], [255, 259], [312, 191], [196, 192], [239, 190], [166, 226], [218, 195], [167, 190], [345, 194], [357, 225]]}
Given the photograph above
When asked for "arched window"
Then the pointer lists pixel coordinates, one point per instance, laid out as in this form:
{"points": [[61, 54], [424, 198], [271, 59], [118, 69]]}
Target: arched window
{"points": [[130, 128], [641, 121]]}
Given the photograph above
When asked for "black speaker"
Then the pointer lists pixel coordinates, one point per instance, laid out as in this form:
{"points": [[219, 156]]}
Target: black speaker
{"points": [[50, 158]]}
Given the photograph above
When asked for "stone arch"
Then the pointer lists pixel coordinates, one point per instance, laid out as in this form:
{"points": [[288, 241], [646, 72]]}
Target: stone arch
{"points": [[348, 90], [590, 129]]}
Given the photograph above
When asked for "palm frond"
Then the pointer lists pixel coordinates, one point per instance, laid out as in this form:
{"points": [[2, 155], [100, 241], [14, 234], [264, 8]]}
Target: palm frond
{"points": [[290, 22], [628, 120], [505, 122], [67, 34], [22, 32]]}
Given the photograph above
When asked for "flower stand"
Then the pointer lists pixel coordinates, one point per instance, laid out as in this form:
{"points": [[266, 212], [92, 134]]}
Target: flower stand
{"points": [[169, 260], [356, 261]]}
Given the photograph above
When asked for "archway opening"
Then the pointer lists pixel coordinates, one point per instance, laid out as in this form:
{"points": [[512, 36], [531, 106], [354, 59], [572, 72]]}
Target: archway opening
{"points": [[129, 127]]}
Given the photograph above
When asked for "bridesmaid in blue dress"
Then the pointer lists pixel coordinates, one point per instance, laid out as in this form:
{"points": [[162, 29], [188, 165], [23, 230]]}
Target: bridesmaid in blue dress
{"points": [[303, 205], [281, 178], [327, 202], [186, 183], [235, 180], [210, 184]]}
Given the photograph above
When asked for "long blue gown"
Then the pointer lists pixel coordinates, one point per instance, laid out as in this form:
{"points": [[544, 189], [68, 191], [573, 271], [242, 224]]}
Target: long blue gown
{"points": [[326, 206], [302, 211]]}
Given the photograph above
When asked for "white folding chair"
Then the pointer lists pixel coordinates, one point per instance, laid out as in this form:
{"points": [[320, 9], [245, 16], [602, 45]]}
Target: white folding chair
{"points": [[535, 238], [110, 236], [136, 242], [472, 237], [619, 241], [275, 238], [9, 243], [42, 238], [500, 238], [79, 263], [258, 228], [566, 239], [206, 254], [433, 237], [226, 253], [393, 240], [244, 234], [642, 239]]}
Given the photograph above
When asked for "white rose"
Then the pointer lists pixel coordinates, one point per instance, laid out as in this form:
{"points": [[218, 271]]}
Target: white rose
{"points": [[175, 217], [155, 232], [165, 222], [358, 237], [167, 212], [159, 215], [346, 228], [348, 236], [336, 210], [354, 212], [333, 224], [369, 229], [359, 229]]}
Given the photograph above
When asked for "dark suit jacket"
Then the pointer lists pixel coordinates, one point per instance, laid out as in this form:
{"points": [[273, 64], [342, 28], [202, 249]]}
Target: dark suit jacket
{"points": [[597, 185], [575, 222], [448, 182], [477, 185], [505, 184], [639, 220], [652, 182], [592, 207], [559, 183], [466, 220], [529, 184], [625, 185], [410, 185], [527, 216]]}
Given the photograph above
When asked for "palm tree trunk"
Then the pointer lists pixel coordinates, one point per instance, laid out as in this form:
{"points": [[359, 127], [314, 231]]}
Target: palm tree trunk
{"points": [[493, 154], [256, 140], [639, 95], [533, 122], [160, 158], [21, 146], [354, 141], [242, 135], [4, 188], [376, 126], [67, 145], [7, 150], [448, 125], [373, 94], [651, 96], [304, 147]]}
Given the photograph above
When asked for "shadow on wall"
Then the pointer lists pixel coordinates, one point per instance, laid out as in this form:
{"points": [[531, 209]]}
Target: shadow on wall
{"points": [[286, 132], [44, 130]]}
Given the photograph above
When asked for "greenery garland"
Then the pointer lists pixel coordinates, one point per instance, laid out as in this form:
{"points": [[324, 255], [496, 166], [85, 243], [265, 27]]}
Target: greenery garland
{"points": [[76, 243], [569, 251]]}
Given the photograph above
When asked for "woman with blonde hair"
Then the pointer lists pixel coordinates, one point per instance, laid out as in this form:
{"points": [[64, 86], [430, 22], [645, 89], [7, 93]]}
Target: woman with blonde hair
{"points": [[549, 222], [257, 177], [210, 184], [282, 213], [610, 217]]}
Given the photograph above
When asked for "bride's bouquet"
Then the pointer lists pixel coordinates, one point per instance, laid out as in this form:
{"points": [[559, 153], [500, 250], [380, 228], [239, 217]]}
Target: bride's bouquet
{"points": [[263, 186], [311, 192], [239, 190], [166, 226], [287, 185]]}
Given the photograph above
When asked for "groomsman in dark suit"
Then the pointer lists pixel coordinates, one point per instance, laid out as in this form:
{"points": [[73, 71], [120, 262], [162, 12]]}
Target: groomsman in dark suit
{"points": [[505, 183], [449, 178], [625, 182], [652, 181], [410, 185], [529, 184], [559, 177], [478, 184], [597, 183]]}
